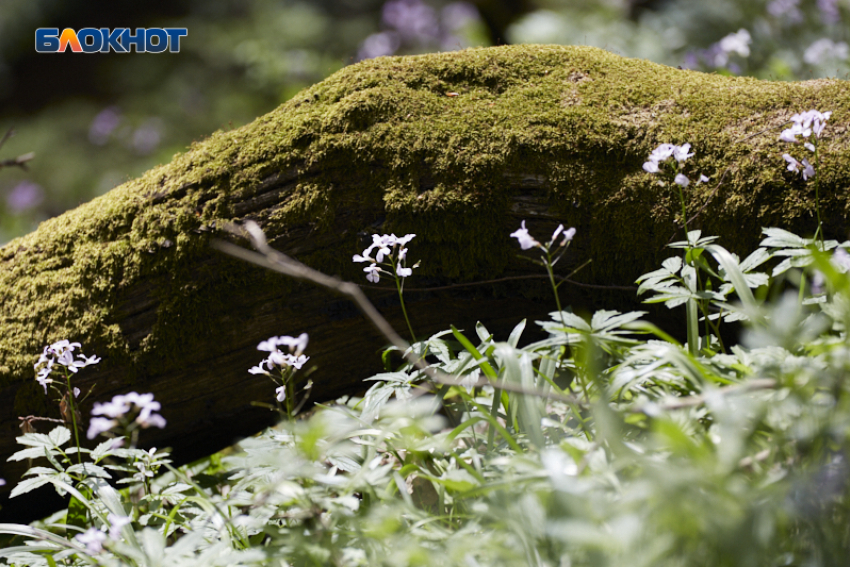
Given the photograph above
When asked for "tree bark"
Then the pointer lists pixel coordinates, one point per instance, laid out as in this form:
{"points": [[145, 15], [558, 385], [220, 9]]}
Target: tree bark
{"points": [[457, 148]]}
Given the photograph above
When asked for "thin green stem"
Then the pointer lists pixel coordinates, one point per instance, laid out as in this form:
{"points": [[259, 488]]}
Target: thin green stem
{"points": [[819, 231], [399, 284], [73, 411]]}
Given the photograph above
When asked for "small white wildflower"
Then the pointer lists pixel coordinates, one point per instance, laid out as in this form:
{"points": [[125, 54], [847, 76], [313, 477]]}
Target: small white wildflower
{"points": [[98, 425], [259, 368], [651, 167], [681, 180], [116, 408], [297, 361], [281, 393], [702, 179], [680, 153], [738, 42], [525, 239], [116, 523], [93, 539], [2, 482], [403, 272], [841, 260], [373, 273]]}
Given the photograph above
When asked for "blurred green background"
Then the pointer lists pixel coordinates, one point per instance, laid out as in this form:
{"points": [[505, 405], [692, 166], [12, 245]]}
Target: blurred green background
{"points": [[97, 120]]}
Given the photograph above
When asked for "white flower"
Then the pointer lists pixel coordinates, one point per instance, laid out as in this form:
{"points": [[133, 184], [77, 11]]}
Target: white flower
{"points": [[405, 239], [680, 153], [568, 235], [794, 165], [116, 523], [93, 539], [804, 124], [295, 344], [259, 368], [702, 179], [403, 272], [651, 167], [364, 258], [681, 180], [98, 425], [120, 406], [372, 273], [825, 48], [281, 393], [63, 353], [738, 42], [664, 152], [297, 361], [841, 259], [525, 240], [116, 408], [2, 482]]}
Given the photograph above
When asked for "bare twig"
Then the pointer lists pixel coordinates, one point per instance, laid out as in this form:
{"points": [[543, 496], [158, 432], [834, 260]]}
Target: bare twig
{"points": [[19, 161], [279, 262]]}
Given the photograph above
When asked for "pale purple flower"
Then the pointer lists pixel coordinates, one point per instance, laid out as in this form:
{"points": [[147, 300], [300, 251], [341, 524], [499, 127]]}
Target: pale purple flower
{"points": [[296, 344], [116, 523], [24, 196], [804, 124], [61, 352], [786, 8], [259, 368], [403, 272], [2, 482], [702, 179], [664, 152], [651, 167], [841, 259], [738, 42], [281, 393], [794, 165], [120, 406], [681, 180], [525, 239], [360, 259], [824, 50], [558, 231], [93, 539], [680, 153], [101, 128], [98, 425], [829, 11], [297, 361], [568, 235], [114, 409], [373, 273]]}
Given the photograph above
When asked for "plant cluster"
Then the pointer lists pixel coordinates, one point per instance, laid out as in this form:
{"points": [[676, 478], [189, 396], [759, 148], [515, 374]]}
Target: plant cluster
{"points": [[606, 443]]}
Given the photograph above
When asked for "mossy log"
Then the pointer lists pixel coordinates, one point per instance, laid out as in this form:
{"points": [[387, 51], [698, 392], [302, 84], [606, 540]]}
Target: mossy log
{"points": [[457, 148]]}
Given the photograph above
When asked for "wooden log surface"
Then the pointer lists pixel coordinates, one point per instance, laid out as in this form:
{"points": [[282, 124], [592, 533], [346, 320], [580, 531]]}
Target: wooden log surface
{"points": [[457, 148]]}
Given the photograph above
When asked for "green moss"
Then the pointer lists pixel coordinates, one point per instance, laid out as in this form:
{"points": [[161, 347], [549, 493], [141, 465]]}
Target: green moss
{"points": [[420, 144]]}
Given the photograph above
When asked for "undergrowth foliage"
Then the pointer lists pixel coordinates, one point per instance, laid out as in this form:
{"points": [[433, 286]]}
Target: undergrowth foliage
{"points": [[607, 443]]}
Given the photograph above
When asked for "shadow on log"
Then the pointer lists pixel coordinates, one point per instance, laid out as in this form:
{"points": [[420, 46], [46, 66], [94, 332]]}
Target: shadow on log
{"points": [[457, 148]]}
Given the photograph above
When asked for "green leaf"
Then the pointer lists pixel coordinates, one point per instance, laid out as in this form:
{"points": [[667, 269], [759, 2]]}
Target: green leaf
{"points": [[77, 514]]}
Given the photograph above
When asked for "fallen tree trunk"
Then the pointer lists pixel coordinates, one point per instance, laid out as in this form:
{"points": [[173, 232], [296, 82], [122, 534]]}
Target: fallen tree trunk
{"points": [[456, 148]]}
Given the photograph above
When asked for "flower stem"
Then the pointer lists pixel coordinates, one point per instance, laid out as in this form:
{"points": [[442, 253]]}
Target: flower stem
{"points": [[399, 284], [73, 411], [819, 231]]}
